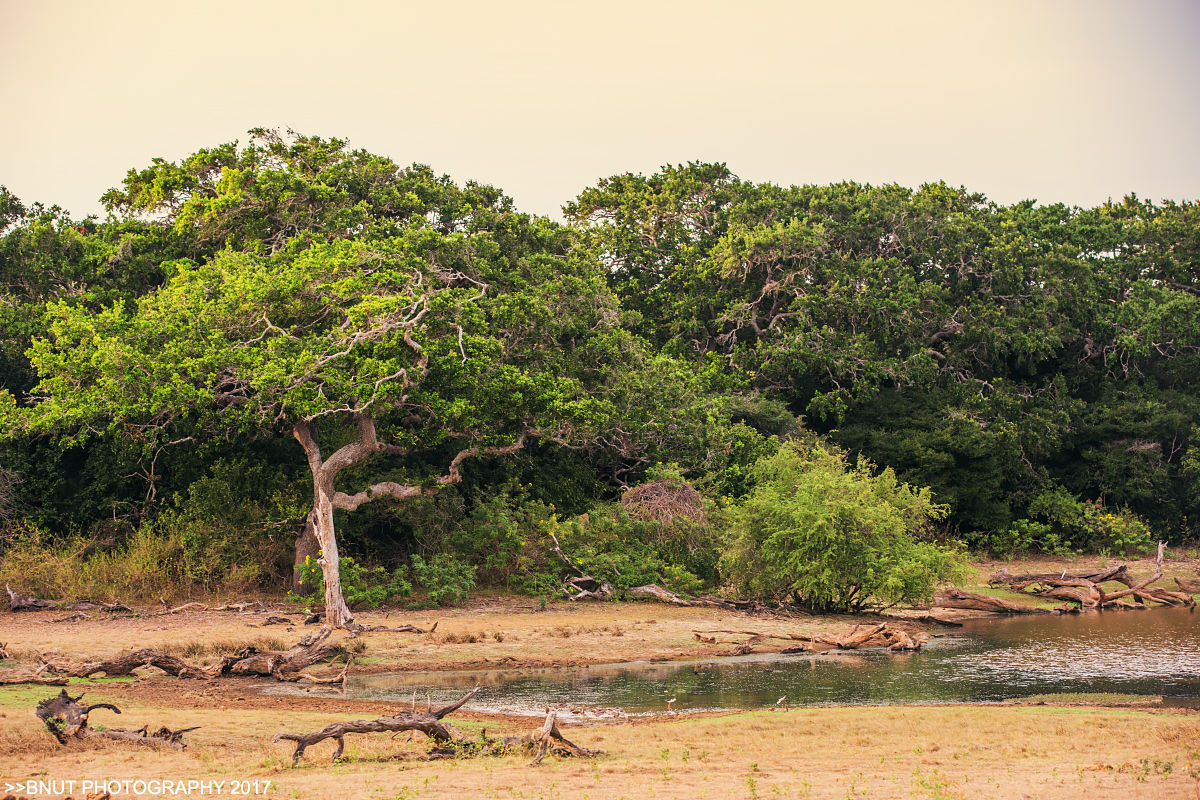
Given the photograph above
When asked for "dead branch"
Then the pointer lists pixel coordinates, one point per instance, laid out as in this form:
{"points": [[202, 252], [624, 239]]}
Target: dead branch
{"points": [[664, 502], [18, 603], [428, 722]]}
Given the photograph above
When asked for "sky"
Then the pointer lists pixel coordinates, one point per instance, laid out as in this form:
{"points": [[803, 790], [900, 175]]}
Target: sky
{"points": [[1073, 101]]}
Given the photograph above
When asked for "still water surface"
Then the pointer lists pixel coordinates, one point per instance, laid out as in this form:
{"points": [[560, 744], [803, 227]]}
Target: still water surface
{"points": [[987, 660]]}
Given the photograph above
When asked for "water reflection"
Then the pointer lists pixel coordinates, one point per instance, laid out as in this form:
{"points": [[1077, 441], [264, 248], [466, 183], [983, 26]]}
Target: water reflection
{"points": [[1149, 652]]}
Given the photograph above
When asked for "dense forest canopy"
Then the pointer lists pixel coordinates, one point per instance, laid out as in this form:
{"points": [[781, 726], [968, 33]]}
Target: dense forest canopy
{"points": [[260, 325]]}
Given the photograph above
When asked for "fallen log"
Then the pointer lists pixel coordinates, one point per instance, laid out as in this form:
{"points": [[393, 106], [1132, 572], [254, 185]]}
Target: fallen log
{"points": [[652, 591], [902, 641], [1166, 597], [308, 651], [1087, 596], [585, 587], [326, 681], [37, 680], [449, 743], [66, 719], [188, 607], [1136, 590], [127, 663], [957, 598], [249, 661]]}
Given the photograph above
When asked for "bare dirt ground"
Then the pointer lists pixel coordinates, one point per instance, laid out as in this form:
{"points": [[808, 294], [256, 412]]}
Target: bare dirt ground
{"points": [[937, 752]]}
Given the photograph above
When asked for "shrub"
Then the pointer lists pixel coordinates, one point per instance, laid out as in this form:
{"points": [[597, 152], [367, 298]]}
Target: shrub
{"points": [[1024, 535], [1088, 526], [362, 587], [505, 539], [444, 577], [832, 536]]}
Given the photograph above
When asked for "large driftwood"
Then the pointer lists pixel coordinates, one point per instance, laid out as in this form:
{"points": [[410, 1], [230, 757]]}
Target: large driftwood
{"points": [[66, 719], [901, 641], [1118, 573], [428, 722], [308, 651], [448, 741], [957, 598], [36, 680]]}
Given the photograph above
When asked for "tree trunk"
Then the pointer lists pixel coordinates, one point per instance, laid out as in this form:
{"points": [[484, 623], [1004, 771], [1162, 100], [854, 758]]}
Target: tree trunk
{"points": [[326, 498], [337, 613]]}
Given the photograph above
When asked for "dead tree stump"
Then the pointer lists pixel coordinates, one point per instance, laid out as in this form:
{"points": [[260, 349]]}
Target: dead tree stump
{"points": [[66, 719]]}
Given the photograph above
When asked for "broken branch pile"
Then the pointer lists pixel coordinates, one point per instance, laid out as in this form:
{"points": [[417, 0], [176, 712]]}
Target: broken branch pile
{"points": [[1087, 589]]}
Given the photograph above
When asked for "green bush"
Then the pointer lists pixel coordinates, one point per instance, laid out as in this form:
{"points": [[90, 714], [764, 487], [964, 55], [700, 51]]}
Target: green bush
{"points": [[1088, 526], [832, 536], [626, 552], [362, 587], [1024, 535], [504, 538], [1122, 532], [445, 578]]}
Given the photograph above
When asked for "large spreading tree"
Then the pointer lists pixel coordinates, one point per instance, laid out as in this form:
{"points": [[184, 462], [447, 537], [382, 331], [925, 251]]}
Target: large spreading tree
{"points": [[449, 338]]}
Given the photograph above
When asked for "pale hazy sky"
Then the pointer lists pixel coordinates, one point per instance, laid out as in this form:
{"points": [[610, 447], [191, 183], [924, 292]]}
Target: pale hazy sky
{"points": [[1059, 100]]}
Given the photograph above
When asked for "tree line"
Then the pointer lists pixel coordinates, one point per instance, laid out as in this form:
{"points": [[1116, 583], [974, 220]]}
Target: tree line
{"points": [[266, 343]]}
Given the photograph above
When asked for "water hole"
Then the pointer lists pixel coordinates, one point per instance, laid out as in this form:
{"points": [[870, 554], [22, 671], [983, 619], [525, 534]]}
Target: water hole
{"points": [[1153, 652]]}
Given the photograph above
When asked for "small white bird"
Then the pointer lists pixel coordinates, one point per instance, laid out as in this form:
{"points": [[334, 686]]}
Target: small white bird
{"points": [[672, 700], [783, 702]]}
